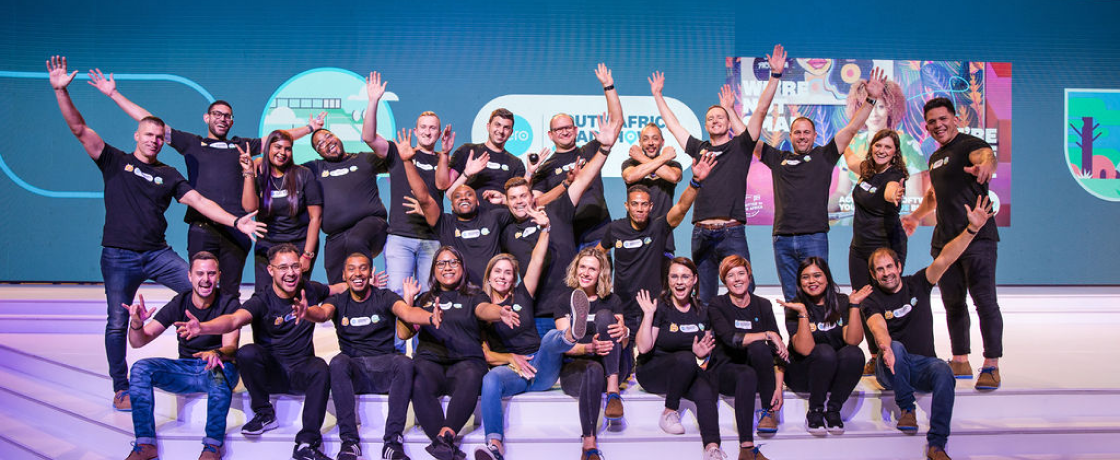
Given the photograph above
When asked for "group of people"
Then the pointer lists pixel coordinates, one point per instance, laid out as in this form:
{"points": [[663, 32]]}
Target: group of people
{"points": [[527, 280]]}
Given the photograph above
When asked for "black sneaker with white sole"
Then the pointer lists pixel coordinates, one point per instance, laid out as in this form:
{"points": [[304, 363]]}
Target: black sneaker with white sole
{"points": [[260, 423], [833, 422], [814, 422], [488, 452], [350, 451], [394, 451], [308, 452], [580, 308]]}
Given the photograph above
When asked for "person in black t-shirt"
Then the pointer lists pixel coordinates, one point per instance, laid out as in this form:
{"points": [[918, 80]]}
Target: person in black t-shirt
{"points": [[675, 344], [720, 211], [204, 364], [824, 331], [655, 168], [365, 319], [801, 188], [900, 318], [138, 189], [281, 358], [290, 200], [959, 172], [749, 347], [487, 166], [212, 169], [592, 214], [449, 359]]}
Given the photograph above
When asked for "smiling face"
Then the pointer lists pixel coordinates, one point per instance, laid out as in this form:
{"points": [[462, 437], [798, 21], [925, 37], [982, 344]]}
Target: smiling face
{"points": [[651, 141], [149, 139], [587, 273], [878, 118], [813, 281], [681, 282], [204, 277], [716, 122], [502, 277], [562, 130], [802, 135], [738, 280], [357, 273], [280, 153], [285, 270], [464, 201], [887, 272], [448, 269], [520, 201], [942, 124], [883, 151], [219, 120], [499, 129], [638, 205], [327, 145], [427, 132]]}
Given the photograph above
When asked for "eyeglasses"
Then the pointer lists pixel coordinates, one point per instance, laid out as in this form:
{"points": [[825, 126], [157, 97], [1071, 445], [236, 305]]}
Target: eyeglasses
{"points": [[449, 263], [222, 115], [564, 129], [285, 268]]}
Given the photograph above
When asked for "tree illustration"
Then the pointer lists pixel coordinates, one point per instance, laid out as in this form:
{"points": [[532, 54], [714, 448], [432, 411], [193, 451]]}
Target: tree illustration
{"points": [[1086, 144]]}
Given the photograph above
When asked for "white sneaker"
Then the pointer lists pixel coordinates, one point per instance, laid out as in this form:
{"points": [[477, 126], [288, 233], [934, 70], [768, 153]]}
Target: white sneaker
{"points": [[671, 422], [714, 453]]}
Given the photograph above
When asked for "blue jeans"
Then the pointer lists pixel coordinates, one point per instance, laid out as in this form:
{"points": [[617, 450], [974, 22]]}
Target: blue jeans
{"points": [[789, 251], [502, 382], [124, 271], [181, 376], [709, 248], [921, 373], [405, 257], [544, 325]]}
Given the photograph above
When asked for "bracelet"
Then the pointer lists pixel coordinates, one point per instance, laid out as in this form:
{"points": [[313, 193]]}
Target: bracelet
{"points": [[236, 220], [432, 318], [608, 88], [307, 255], [870, 101], [248, 174], [607, 150], [693, 183], [547, 228], [970, 230], [802, 316], [310, 128], [565, 183], [775, 75], [135, 328]]}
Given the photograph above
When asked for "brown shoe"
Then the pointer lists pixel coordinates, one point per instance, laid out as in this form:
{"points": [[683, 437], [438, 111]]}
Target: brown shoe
{"points": [[907, 422], [143, 452], [961, 370], [936, 453], [591, 454], [869, 368], [614, 411], [122, 402], [988, 379], [767, 422], [210, 452], [751, 453]]}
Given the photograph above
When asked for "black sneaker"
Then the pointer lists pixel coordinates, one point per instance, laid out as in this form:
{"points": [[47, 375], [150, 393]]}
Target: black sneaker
{"points": [[394, 451], [350, 451], [580, 308], [260, 423], [487, 452], [443, 448], [308, 452], [833, 422], [814, 422]]}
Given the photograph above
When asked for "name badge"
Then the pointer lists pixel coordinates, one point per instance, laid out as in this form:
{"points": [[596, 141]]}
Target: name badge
{"points": [[939, 163], [493, 165], [470, 234], [341, 172], [631, 244], [689, 328], [426, 167], [902, 311], [829, 326], [279, 194], [590, 317], [742, 324], [359, 322], [791, 162], [528, 231]]}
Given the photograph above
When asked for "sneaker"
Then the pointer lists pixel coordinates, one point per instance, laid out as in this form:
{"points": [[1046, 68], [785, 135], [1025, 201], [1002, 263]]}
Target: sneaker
{"points": [[671, 423], [833, 422], [393, 451], [988, 378], [350, 451], [961, 370], [210, 452], [814, 422], [308, 452], [592, 454], [714, 453], [907, 421], [142, 451], [751, 453], [614, 411], [869, 368], [488, 452], [937, 453], [767, 422], [443, 448], [122, 402], [580, 307], [260, 423]]}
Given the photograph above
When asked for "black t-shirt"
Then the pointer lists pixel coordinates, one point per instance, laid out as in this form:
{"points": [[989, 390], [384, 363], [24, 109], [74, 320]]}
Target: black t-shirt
{"points": [[519, 238], [676, 329], [367, 327], [284, 225], [176, 310], [956, 188], [478, 239], [801, 184], [274, 325], [907, 312], [214, 169], [136, 196], [591, 211], [349, 189], [829, 332], [876, 223], [661, 193], [730, 323], [610, 303], [725, 188], [501, 167], [400, 222], [637, 259], [522, 340], [458, 336]]}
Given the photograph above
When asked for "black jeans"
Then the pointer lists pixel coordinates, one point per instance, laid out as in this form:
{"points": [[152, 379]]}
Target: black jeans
{"points": [[975, 273], [461, 380], [826, 370], [585, 377], [367, 236], [230, 246], [264, 375], [380, 374], [742, 380], [677, 375]]}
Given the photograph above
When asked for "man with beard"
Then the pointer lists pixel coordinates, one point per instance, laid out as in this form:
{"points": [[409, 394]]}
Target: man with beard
{"points": [[281, 358], [654, 167], [900, 318], [365, 319], [212, 169], [802, 179], [138, 190], [496, 165], [204, 364]]}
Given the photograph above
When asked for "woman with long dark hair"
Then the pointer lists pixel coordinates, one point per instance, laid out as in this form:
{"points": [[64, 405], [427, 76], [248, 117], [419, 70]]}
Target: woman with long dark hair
{"points": [[289, 200], [674, 343], [825, 332]]}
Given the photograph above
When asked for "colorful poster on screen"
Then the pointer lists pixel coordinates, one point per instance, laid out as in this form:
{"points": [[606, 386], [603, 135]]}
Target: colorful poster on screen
{"points": [[828, 92], [1092, 143]]}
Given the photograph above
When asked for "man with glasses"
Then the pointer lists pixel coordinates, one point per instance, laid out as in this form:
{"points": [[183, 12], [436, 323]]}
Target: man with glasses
{"points": [[212, 169]]}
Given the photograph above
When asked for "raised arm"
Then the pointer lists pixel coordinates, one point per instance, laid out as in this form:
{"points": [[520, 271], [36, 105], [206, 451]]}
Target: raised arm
{"points": [[875, 84], [475, 164], [375, 88], [656, 85], [614, 105], [540, 252], [60, 79], [727, 101], [139, 333], [777, 66], [428, 205], [647, 334], [443, 159], [249, 200], [589, 171], [700, 170], [224, 324], [977, 217], [417, 315], [802, 340], [108, 87], [493, 313], [853, 330]]}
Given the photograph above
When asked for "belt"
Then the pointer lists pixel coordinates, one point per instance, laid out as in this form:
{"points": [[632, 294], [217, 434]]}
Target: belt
{"points": [[722, 226]]}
